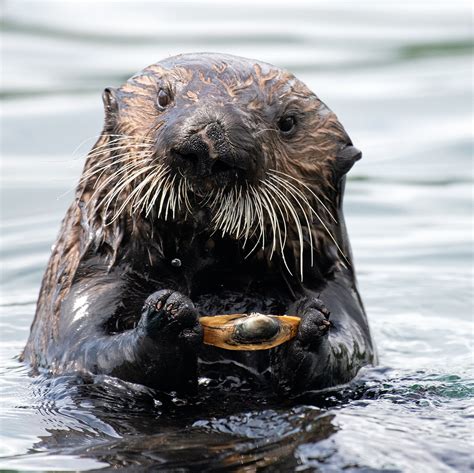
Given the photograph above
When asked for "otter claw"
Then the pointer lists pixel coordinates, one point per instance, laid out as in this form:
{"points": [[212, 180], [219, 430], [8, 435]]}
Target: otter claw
{"points": [[170, 315], [315, 322]]}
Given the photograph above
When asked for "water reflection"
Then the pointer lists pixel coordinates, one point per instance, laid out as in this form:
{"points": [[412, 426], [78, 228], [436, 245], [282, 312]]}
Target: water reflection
{"points": [[123, 425], [127, 425]]}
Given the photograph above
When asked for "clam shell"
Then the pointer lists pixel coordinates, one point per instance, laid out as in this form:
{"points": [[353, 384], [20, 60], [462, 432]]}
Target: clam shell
{"points": [[248, 331]]}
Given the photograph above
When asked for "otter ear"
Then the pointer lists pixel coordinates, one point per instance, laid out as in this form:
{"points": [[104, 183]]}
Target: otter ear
{"points": [[109, 97], [345, 159]]}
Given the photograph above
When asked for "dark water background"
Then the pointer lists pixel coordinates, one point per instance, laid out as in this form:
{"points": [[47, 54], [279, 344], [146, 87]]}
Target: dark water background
{"points": [[399, 76]]}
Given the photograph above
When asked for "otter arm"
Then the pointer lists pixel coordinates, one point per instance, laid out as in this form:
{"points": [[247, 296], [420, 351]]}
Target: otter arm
{"points": [[314, 361], [133, 355]]}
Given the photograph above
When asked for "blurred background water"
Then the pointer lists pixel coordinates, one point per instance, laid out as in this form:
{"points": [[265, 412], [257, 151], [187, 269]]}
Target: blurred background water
{"points": [[399, 76]]}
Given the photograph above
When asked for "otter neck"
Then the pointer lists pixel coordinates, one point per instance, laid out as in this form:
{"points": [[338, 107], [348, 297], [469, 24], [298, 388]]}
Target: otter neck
{"points": [[191, 251]]}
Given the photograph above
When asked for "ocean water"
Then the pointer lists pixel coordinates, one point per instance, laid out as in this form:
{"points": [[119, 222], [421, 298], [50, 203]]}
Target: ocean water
{"points": [[399, 76]]}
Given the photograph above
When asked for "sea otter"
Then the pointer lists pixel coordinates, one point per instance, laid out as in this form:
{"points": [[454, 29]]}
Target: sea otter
{"points": [[215, 187]]}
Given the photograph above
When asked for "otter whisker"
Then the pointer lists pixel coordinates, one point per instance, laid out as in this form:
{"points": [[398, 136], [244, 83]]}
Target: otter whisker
{"points": [[170, 198], [261, 217], [283, 208], [173, 199], [182, 193], [122, 177], [230, 213], [299, 231], [94, 169], [331, 236], [103, 168], [231, 216], [86, 176], [135, 192], [186, 196], [254, 212], [144, 203], [276, 227], [248, 217], [296, 192], [122, 144], [220, 214], [154, 179], [112, 160], [287, 203], [159, 183], [108, 145], [221, 217], [268, 206], [96, 151], [261, 222], [121, 171], [123, 151], [217, 199], [139, 158], [166, 185], [121, 186], [113, 200], [220, 200], [95, 137], [285, 232], [132, 138], [241, 214], [210, 196], [297, 198], [234, 211], [307, 188]]}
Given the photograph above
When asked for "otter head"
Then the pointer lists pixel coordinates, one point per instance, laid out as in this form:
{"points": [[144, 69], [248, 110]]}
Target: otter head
{"points": [[244, 142]]}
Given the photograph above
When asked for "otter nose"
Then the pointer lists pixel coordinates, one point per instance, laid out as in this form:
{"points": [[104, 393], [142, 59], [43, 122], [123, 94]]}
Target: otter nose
{"points": [[208, 151]]}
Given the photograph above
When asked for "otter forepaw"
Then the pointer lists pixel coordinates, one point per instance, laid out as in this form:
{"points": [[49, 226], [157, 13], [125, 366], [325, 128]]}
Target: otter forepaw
{"points": [[170, 315], [315, 322]]}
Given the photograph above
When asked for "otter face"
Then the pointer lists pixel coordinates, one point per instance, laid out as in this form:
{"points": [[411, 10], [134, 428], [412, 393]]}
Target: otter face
{"points": [[244, 139], [219, 119]]}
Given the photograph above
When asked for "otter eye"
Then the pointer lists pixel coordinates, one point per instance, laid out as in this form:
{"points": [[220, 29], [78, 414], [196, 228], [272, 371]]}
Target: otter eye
{"points": [[163, 98], [287, 124]]}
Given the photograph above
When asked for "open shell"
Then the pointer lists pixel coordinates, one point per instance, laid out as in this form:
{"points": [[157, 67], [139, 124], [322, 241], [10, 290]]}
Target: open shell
{"points": [[248, 331]]}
